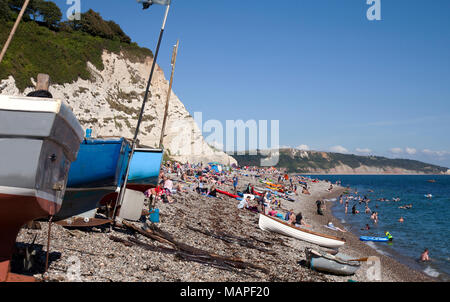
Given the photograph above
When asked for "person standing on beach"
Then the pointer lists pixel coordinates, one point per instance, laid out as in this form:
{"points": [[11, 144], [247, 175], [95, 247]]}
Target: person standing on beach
{"points": [[235, 183], [319, 207]]}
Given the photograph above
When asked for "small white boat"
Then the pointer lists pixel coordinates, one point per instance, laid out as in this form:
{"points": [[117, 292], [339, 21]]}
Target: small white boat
{"points": [[267, 223], [429, 196]]}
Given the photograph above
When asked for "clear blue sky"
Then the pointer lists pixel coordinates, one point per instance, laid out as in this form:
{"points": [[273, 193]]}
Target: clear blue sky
{"points": [[332, 77]]}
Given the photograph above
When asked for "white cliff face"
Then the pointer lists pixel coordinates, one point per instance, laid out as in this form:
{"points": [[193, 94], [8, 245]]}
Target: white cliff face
{"points": [[111, 101]]}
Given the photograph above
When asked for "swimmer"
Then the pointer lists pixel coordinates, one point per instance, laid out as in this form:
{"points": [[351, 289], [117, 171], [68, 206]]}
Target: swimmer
{"points": [[366, 228], [425, 257]]}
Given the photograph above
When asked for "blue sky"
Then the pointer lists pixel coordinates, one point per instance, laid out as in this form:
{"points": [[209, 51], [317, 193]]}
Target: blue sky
{"points": [[334, 79]]}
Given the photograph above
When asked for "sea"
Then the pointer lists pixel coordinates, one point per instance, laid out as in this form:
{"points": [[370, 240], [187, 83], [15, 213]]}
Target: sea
{"points": [[426, 224]]}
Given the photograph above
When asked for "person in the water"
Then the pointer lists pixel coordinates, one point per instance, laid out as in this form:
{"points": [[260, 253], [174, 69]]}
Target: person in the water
{"points": [[389, 236], [367, 227], [425, 256]]}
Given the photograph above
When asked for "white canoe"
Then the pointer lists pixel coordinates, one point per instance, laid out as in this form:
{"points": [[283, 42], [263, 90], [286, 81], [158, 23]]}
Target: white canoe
{"points": [[267, 223]]}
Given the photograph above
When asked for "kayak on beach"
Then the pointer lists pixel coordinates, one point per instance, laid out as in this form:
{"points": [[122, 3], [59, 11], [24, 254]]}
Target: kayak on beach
{"points": [[227, 193], [374, 239]]}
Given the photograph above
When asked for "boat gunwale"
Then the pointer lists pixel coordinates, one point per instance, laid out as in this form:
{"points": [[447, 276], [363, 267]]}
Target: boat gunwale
{"points": [[304, 230], [62, 110]]}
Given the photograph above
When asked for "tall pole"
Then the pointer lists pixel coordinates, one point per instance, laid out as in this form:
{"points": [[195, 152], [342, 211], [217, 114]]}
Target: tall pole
{"points": [[13, 31], [133, 146], [166, 111]]}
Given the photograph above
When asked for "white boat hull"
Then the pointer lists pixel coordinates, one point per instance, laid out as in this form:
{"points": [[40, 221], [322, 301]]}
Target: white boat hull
{"points": [[267, 223]]}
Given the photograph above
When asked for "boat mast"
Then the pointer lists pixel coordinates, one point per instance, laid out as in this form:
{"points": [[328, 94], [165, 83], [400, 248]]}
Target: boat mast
{"points": [[133, 147], [13, 31], [166, 111]]}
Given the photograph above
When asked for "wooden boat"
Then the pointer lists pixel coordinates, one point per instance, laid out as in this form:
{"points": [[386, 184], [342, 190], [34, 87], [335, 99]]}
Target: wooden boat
{"points": [[338, 264], [98, 171], [267, 223], [39, 139]]}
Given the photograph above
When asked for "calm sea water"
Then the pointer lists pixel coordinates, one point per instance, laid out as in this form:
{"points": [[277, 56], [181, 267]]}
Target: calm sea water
{"points": [[426, 225]]}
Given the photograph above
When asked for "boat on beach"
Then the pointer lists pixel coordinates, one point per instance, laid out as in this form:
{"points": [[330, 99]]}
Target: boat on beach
{"points": [[267, 223], [143, 175], [39, 139], [97, 175], [98, 171], [338, 264], [144, 169]]}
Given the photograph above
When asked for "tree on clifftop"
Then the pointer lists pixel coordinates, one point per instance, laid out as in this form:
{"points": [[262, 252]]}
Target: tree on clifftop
{"points": [[41, 11], [118, 32], [50, 13], [92, 23], [5, 12]]}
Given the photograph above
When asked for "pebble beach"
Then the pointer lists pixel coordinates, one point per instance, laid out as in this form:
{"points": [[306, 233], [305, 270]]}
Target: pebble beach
{"points": [[214, 225]]}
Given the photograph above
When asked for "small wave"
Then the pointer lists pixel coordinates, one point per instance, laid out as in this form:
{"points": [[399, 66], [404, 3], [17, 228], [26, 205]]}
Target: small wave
{"points": [[431, 272], [374, 246]]}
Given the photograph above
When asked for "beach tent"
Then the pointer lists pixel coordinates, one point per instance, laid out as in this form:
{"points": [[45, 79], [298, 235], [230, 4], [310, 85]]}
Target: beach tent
{"points": [[216, 167]]}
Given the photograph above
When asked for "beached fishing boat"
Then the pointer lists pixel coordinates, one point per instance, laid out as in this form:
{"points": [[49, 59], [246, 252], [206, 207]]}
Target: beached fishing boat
{"points": [[338, 264], [39, 139], [144, 169], [267, 223], [98, 171]]}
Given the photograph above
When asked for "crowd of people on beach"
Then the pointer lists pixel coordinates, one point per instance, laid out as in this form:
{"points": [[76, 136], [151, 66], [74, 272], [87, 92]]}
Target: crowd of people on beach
{"points": [[207, 179], [276, 184]]}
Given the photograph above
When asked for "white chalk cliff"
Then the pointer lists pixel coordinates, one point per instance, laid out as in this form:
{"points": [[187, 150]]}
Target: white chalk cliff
{"points": [[110, 102]]}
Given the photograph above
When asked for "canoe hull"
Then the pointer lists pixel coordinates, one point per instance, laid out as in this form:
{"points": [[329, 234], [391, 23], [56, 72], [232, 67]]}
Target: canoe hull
{"points": [[267, 223]]}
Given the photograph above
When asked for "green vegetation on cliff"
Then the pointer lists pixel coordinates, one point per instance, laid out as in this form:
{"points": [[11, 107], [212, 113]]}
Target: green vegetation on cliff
{"points": [[43, 44], [323, 162]]}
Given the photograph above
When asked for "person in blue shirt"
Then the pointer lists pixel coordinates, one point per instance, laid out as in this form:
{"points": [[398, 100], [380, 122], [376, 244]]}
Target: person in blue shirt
{"points": [[235, 183]]}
